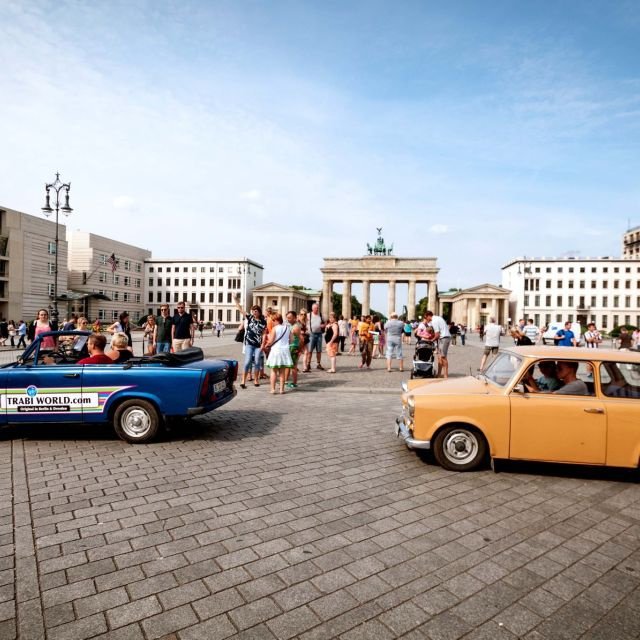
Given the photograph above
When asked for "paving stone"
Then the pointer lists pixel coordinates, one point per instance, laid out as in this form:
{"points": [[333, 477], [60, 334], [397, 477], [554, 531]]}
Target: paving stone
{"points": [[168, 622], [79, 629], [216, 628], [218, 603], [100, 602], [133, 612], [254, 613]]}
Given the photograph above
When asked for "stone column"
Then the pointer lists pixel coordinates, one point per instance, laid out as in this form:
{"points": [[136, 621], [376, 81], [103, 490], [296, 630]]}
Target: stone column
{"points": [[476, 312], [365, 297], [346, 299], [411, 301], [505, 311], [391, 298], [327, 288], [433, 302], [494, 310]]}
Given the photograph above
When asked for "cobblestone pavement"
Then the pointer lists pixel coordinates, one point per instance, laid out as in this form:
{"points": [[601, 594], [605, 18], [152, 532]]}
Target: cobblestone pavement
{"points": [[301, 516]]}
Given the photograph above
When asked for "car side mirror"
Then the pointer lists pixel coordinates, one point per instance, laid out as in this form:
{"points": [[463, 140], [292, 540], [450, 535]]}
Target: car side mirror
{"points": [[519, 388]]}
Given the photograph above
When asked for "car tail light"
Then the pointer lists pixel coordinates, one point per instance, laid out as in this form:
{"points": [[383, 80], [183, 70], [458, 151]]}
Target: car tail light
{"points": [[204, 390], [234, 372]]}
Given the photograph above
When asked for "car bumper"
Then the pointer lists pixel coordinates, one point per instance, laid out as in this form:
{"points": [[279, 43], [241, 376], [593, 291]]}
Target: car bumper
{"points": [[198, 411], [402, 431]]}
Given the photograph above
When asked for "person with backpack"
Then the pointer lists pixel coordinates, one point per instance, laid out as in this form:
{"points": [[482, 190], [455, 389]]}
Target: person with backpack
{"points": [[316, 327]]}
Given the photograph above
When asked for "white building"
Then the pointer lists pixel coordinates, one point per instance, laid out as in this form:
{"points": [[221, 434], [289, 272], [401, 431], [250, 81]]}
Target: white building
{"points": [[631, 244], [97, 290], [208, 286], [27, 264], [601, 290]]}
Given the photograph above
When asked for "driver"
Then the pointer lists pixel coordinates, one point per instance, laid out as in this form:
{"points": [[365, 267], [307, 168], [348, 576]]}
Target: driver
{"points": [[96, 344]]}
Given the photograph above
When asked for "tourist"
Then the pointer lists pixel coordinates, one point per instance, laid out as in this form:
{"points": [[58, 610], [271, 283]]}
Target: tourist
{"points": [[442, 336], [296, 347], [520, 339], [394, 330], [531, 331], [462, 331], [11, 328], [365, 340], [316, 331], [22, 334], [150, 330], [304, 332], [406, 336], [565, 337], [625, 339], [453, 330], [255, 329], [162, 336], [343, 326], [332, 338], [120, 350], [42, 325], [182, 328], [95, 345], [122, 325], [592, 337], [353, 336], [279, 358], [492, 333], [635, 339]]}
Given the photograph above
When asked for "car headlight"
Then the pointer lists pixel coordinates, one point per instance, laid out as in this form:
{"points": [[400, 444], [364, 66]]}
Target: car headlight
{"points": [[411, 404], [405, 386]]}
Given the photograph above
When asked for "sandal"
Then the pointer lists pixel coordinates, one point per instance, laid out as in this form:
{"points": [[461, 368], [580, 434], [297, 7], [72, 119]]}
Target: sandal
{"points": [[243, 386]]}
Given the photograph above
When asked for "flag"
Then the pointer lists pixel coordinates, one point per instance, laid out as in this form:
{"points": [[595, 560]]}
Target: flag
{"points": [[113, 262]]}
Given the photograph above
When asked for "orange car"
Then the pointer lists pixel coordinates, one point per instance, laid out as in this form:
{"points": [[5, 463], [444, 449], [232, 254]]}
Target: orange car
{"points": [[551, 404]]}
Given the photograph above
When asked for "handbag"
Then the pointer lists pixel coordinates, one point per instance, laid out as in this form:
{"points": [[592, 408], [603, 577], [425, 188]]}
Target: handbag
{"points": [[267, 347], [240, 335]]}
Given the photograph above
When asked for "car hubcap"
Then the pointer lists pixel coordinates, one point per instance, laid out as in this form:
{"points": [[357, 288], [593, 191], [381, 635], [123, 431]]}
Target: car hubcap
{"points": [[136, 422], [460, 446]]}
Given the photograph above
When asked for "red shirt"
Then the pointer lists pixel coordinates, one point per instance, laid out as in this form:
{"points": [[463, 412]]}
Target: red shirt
{"points": [[99, 358]]}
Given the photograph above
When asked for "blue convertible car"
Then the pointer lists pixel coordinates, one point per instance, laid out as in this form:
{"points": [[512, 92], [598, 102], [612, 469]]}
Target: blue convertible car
{"points": [[137, 397]]}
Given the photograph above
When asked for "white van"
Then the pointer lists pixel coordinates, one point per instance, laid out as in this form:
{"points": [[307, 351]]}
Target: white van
{"points": [[554, 327]]}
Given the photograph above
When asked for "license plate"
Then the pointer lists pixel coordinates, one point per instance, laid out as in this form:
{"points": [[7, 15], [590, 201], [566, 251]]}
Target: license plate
{"points": [[219, 386]]}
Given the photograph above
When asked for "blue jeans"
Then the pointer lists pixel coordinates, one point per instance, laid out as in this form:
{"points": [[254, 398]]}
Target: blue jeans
{"points": [[315, 343], [251, 354], [163, 347]]}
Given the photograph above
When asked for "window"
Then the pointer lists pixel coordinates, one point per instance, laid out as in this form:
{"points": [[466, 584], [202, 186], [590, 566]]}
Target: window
{"points": [[616, 284], [159, 269], [51, 268], [627, 303], [616, 301], [593, 301], [221, 282], [51, 248], [559, 284], [202, 297], [176, 282], [582, 269], [185, 282], [212, 269], [548, 284], [526, 301], [211, 298], [193, 297], [50, 290], [138, 267], [547, 270], [605, 269], [570, 269], [185, 269], [167, 282], [547, 301], [175, 296], [615, 321], [114, 315], [193, 282], [193, 269], [150, 269], [594, 284], [168, 269], [202, 282], [570, 284], [138, 283], [605, 284], [558, 317], [127, 265], [202, 269], [220, 269], [116, 295], [150, 296], [593, 269], [159, 282], [536, 301], [537, 269], [616, 270], [559, 303], [102, 276], [581, 303], [570, 301], [228, 315], [627, 270], [138, 298], [559, 269], [167, 296], [581, 285], [627, 284], [229, 297], [101, 314], [125, 297], [212, 282], [127, 281], [102, 259], [605, 321], [220, 298]]}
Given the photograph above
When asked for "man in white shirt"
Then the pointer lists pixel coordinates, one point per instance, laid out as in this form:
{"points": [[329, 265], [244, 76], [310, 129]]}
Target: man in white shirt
{"points": [[531, 331], [443, 339], [492, 334]]}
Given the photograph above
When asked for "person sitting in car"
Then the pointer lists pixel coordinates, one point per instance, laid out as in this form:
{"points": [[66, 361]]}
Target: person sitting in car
{"points": [[96, 344], [120, 351], [567, 374]]}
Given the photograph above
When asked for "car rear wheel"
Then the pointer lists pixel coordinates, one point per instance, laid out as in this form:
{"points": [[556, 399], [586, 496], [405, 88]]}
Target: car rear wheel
{"points": [[459, 448], [136, 421]]}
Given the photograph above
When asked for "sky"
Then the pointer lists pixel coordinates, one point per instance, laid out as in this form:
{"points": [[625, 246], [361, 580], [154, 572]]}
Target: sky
{"points": [[288, 131]]}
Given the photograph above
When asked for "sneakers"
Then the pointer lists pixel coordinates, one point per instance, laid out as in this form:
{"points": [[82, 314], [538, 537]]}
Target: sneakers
{"points": [[320, 367], [291, 385]]}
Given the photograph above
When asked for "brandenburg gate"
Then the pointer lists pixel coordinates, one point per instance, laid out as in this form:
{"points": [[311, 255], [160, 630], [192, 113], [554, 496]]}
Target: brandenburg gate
{"points": [[379, 266]]}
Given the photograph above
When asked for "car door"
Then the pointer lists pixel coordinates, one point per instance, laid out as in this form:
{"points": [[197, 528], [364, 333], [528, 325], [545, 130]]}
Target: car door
{"points": [[553, 427], [37, 392]]}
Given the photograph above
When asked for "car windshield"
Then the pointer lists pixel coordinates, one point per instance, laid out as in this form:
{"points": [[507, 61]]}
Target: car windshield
{"points": [[502, 369]]}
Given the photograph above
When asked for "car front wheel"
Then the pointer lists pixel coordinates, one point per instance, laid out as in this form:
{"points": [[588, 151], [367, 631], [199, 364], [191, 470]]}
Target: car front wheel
{"points": [[459, 448], [136, 421]]}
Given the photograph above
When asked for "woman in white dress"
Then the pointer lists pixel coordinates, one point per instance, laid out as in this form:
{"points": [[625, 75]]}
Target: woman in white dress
{"points": [[279, 359]]}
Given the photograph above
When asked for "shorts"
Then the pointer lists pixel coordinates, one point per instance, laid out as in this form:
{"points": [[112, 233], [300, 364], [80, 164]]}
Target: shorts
{"points": [[394, 350], [332, 349], [488, 350], [295, 354], [315, 344], [443, 346]]}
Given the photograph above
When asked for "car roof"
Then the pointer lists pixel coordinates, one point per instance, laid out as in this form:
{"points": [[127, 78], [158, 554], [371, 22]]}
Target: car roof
{"points": [[574, 353]]}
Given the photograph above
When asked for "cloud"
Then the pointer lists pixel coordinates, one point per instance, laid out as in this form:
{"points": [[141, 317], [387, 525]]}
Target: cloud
{"points": [[438, 229]]}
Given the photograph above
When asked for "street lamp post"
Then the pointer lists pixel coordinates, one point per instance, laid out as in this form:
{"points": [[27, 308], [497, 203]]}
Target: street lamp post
{"points": [[56, 187]]}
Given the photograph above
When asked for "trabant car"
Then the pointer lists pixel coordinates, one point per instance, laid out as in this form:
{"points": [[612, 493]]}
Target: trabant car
{"points": [[137, 397], [505, 412]]}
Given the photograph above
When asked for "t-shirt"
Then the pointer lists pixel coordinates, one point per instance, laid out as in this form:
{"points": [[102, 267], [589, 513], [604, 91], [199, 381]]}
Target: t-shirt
{"points": [[492, 335], [566, 338], [183, 326], [99, 358], [315, 322], [364, 331], [440, 326], [531, 331], [574, 388], [592, 335], [394, 328], [255, 329]]}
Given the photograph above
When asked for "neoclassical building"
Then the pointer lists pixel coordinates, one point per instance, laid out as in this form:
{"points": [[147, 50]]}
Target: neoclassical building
{"points": [[386, 269], [283, 298], [474, 306]]}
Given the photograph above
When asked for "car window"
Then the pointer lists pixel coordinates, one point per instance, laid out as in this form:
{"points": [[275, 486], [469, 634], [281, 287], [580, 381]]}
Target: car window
{"points": [[545, 376], [620, 379], [503, 368]]}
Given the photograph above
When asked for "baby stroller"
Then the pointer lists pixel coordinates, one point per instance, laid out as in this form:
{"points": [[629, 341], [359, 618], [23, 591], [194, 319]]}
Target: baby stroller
{"points": [[423, 365]]}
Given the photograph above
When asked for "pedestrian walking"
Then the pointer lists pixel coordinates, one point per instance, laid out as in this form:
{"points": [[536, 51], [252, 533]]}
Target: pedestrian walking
{"points": [[11, 328], [462, 332], [394, 330], [365, 341], [343, 326], [22, 334], [491, 333]]}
